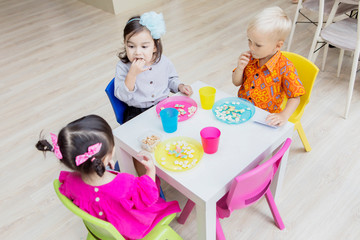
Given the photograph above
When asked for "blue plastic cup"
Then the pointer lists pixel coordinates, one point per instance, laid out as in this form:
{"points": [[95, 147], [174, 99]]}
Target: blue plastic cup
{"points": [[169, 119]]}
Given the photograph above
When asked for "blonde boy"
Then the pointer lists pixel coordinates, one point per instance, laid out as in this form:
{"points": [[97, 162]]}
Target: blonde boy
{"points": [[265, 75]]}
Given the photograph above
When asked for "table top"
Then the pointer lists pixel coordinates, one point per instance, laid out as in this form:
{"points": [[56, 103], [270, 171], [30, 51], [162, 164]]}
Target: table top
{"points": [[240, 145]]}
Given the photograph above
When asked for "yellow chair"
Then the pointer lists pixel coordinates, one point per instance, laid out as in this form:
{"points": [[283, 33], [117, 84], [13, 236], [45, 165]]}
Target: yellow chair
{"points": [[99, 229], [307, 72]]}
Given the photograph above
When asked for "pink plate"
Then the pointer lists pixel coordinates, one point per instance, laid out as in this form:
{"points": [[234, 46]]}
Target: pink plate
{"points": [[185, 105]]}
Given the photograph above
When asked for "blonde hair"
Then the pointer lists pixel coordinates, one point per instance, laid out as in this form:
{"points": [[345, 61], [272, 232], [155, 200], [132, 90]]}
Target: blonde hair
{"points": [[272, 21]]}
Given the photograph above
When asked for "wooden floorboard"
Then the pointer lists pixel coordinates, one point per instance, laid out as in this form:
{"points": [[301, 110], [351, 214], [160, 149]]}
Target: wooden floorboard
{"points": [[56, 60]]}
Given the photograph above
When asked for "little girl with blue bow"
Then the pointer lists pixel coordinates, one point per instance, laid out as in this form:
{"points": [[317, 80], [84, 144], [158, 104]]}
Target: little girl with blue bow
{"points": [[144, 76]]}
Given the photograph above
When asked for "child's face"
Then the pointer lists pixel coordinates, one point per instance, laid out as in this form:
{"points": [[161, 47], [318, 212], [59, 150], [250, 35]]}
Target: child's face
{"points": [[140, 46], [262, 46]]}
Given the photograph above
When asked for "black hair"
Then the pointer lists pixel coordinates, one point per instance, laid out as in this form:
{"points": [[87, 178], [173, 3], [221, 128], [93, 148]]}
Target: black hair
{"points": [[75, 138], [132, 27]]}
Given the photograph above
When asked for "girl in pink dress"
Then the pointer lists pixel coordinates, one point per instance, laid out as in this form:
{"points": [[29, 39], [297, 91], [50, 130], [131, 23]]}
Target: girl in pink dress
{"points": [[132, 204]]}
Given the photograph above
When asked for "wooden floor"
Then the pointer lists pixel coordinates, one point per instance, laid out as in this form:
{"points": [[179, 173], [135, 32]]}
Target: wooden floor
{"points": [[57, 57]]}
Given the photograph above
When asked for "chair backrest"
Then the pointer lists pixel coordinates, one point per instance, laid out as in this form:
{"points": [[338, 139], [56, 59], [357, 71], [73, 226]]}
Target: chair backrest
{"points": [[315, 6], [118, 106], [97, 227], [307, 72], [247, 188]]}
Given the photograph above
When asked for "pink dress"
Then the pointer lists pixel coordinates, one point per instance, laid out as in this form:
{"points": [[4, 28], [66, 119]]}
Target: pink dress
{"points": [[132, 204]]}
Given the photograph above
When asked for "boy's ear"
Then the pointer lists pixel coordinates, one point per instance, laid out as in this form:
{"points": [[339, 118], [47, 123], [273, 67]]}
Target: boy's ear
{"points": [[279, 44]]}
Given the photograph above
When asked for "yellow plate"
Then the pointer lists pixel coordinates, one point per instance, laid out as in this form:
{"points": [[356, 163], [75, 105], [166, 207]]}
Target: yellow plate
{"points": [[179, 153]]}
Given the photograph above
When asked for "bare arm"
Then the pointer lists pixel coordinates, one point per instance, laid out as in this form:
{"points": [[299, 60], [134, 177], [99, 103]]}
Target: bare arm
{"points": [[148, 162], [237, 76]]}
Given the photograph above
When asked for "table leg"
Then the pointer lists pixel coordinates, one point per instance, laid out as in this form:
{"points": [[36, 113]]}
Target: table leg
{"points": [[279, 177], [280, 174], [206, 220], [124, 159]]}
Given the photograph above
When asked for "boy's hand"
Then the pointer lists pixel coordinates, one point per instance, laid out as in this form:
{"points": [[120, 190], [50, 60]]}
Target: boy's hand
{"points": [[243, 60], [276, 119], [237, 76], [279, 119], [137, 66], [185, 89]]}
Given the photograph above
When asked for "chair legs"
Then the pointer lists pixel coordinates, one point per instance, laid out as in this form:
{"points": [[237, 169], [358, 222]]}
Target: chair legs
{"points": [[90, 237], [326, 49], [163, 231], [341, 57], [274, 210], [162, 195], [298, 8], [186, 211], [158, 184], [352, 81], [302, 136], [219, 231]]}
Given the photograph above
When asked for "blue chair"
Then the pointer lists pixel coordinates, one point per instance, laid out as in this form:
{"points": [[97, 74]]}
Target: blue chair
{"points": [[119, 108], [118, 105]]}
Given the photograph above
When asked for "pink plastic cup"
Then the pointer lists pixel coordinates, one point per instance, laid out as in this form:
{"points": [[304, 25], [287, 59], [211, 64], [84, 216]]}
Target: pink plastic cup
{"points": [[210, 137]]}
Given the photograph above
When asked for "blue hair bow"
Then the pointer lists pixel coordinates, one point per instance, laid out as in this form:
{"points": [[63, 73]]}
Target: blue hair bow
{"points": [[154, 22]]}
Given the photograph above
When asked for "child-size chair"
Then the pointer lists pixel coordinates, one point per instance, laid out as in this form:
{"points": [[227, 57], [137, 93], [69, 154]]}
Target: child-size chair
{"points": [[99, 229], [245, 190], [307, 72], [118, 105]]}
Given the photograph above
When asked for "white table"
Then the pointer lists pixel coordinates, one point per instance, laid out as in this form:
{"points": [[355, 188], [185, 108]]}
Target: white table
{"points": [[241, 148]]}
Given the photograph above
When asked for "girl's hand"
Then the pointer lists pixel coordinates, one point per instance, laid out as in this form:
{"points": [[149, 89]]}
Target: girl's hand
{"points": [[138, 66], [276, 119], [185, 89], [243, 60], [148, 162], [111, 164]]}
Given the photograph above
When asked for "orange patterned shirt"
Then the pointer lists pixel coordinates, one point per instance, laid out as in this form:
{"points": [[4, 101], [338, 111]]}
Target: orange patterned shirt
{"points": [[267, 86]]}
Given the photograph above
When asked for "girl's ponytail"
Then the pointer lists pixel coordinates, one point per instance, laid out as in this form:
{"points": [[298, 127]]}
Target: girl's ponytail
{"points": [[82, 145], [44, 145], [98, 166]]}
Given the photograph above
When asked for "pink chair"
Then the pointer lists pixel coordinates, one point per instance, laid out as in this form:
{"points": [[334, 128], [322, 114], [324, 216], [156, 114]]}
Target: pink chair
{"points": [[245, 190]]}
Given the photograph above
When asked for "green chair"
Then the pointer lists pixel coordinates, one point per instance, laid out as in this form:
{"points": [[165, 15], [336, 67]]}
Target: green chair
{"points": [[99, 229]]}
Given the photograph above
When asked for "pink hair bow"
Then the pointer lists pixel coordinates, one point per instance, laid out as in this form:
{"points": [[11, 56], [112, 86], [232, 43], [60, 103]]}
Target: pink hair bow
{"points": [[56, 148], [92, 150]]}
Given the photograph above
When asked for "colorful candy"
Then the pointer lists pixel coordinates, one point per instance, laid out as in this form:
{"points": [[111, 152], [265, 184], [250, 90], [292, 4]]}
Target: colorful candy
{"points": [[229, 112], [183, 154]]}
